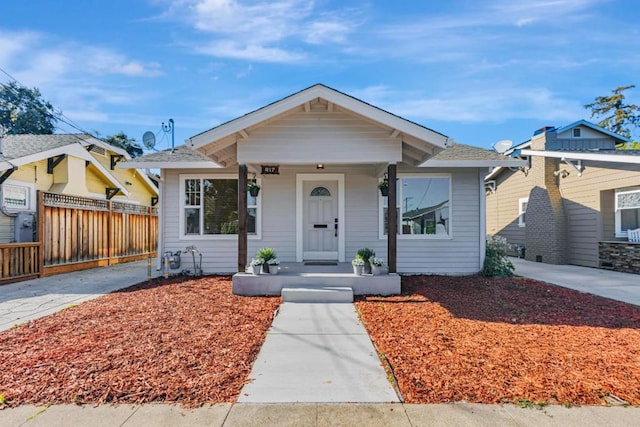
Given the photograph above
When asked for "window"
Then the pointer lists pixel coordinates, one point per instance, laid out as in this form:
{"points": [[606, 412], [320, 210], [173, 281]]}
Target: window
{"points": [[522, 210], [320, 192], [18, 196], [210, 207], [423, 207], [627, 211], [576, 132]]}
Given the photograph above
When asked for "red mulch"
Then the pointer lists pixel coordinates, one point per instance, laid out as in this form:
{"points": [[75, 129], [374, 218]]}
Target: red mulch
{"points": [[491, 340], [185, 341]]}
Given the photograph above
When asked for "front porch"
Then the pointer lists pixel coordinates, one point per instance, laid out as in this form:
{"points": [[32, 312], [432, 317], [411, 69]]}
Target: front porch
{"points": [[315, 276]]}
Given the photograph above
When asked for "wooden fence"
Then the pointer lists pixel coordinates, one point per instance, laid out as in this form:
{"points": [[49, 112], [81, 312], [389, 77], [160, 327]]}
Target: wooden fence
{"points": [[76, 233]]}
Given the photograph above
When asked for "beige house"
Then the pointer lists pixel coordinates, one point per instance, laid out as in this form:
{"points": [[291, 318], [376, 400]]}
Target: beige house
{"points": [[73, 164], [576, 201]]}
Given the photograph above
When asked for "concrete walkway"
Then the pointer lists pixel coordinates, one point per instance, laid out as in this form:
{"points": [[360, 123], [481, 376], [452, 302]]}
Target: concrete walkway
{"points": [[317, 352], [32, 299], [610, 284], [302, 415]]}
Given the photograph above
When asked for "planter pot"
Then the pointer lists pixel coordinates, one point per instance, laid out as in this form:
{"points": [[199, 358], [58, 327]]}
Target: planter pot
{"points": [[357, 270], [377, 270], [254, 192], [265, 269], [254, 269], [384, 192], [274, 269], [367, 268]]}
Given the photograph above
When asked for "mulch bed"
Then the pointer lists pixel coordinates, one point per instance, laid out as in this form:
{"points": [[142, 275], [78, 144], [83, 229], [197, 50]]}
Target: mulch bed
{"points": [[505, 340], [185, 341]]}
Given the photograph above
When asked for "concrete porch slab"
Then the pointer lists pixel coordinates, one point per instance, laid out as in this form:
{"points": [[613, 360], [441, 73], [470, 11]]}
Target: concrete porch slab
{"points": [[308, 294]]}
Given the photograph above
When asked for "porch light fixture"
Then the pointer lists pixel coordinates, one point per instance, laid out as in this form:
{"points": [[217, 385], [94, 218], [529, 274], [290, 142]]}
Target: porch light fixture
{"points": [[320, 166]]}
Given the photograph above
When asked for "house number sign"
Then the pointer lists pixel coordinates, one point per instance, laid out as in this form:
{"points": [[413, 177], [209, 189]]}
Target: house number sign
{"points": [[270, 169]]}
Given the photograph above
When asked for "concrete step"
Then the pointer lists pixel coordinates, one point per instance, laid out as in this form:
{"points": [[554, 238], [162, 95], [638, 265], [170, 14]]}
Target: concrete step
{"points": [[320, 294]]}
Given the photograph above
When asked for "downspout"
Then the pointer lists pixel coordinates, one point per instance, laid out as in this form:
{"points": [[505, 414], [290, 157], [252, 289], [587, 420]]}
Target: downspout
{"points": [[161, 207]]}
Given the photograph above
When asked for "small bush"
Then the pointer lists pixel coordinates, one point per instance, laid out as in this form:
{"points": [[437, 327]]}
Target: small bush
{"points": [[365, 254], [496, 262], [266, 254]]}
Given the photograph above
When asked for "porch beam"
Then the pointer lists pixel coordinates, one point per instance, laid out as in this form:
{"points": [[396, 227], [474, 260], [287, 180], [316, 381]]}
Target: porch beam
{"points": [[218, 146], [392, 218], [413, 153], [394, 133], [243, 133], [418, 146], [242, 217]]}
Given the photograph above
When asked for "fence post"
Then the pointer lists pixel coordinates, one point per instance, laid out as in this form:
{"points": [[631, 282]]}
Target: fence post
{"points": [[40, 233], [109, 231]]}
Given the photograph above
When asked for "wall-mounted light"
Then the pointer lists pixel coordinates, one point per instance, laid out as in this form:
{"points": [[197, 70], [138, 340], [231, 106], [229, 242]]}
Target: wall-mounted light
{"points": [[320, 166], [128, 183]]}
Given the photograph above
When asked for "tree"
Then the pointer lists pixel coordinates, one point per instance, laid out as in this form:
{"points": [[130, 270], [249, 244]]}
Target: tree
{"points": [[121, 140], [614, 114], [23, 110]]}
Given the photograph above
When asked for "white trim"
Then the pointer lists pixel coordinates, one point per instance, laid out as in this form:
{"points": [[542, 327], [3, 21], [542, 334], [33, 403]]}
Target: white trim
{"points": [[521, 211], [618, 216], [169, 165], [181, 219], [400, 236], [307, 95], [161, 217], [507, 162], [31, 195], [300, 178], [483, 219], [572, 155]]}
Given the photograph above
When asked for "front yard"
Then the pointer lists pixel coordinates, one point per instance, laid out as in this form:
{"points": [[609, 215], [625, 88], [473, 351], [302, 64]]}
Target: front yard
{"points": [[446, 338]]}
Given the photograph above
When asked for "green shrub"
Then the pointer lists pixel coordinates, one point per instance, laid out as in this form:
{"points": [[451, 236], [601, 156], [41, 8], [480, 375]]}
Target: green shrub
{"points": [[266, 254], [365, 254], [496, 262]]}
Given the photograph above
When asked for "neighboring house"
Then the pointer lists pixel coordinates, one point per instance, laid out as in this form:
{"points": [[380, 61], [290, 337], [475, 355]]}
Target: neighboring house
{"points": [[73, 164], [578, 194], [319, 156]]}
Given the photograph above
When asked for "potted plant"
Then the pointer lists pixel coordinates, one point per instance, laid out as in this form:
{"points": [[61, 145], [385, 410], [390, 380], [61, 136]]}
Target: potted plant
{"points": [[256, 265], [384, 187], [274, 265], [365, 254], [266, 254], [253, 188], [376, 265], [358, 266]]}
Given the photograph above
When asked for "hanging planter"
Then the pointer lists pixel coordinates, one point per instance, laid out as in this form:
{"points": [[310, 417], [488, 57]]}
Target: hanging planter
{"points": [[384, 186], [253, 189]]}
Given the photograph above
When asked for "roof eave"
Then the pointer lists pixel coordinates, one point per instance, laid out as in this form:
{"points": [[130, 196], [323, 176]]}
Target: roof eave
{"points": [[516, 163], [600, 157], [169, 165]]}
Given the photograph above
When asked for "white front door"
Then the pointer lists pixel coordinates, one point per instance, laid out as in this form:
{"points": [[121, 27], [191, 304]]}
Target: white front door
{"points": [[316, 212], [320, 220]]}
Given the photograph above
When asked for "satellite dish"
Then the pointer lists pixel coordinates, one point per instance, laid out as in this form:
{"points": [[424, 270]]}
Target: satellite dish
{"points": [[149, 140], [502, 146]]}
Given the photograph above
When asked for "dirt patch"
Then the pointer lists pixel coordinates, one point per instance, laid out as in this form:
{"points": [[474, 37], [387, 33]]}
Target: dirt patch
{"points": [[185, 341], [506, 340]]}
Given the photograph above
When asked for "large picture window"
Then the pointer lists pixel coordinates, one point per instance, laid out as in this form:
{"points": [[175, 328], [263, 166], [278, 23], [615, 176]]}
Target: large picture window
{"points": [[210, 207], [627, 211], [423, 207]]}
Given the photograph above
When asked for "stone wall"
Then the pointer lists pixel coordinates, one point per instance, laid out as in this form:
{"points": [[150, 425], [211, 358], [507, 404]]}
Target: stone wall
{"points": [[620, 256]]}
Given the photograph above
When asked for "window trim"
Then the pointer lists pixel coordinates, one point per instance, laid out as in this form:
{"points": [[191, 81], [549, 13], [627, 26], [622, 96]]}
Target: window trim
{"points": [[31, 196], [400, 236], [576, 132], [521, 201], [181, 215], [618, 216]]}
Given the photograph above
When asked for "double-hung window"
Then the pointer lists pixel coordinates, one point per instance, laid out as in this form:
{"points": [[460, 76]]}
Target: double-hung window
{"points": [[210, 207], [627, 211], [522, 211], [423, 206]]}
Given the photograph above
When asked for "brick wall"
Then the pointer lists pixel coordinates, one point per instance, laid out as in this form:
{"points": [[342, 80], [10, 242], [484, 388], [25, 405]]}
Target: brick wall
{"points": [[546, 220], [620, 256]]}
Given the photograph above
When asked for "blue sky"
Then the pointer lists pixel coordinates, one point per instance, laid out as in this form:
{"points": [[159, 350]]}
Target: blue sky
{"points": [[477, 71]]}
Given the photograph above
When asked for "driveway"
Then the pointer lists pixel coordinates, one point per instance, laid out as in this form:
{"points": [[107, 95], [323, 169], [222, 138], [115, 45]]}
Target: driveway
{"points": [[32, 299], [610, 284]]}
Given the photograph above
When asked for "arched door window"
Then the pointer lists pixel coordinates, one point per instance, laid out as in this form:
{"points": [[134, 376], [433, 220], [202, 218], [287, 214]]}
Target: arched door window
{"points": [[320, 192]]}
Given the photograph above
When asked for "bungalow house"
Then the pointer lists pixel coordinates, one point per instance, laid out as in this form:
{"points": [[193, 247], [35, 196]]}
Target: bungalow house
{"points": [[73, 164], [319, 156], [576, 202]]}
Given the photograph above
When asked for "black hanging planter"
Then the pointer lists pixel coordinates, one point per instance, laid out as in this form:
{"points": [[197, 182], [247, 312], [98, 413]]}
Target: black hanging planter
{"points": [[384, 187], [254, 190], [384, 191]]}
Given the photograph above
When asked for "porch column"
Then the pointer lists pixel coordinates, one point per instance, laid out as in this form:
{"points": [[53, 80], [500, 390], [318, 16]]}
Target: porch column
{"points": [[242, 218], [392, 218]]}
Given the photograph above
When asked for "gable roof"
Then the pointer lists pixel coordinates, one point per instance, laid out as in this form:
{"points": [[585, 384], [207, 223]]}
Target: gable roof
{"points": [[182, 157], [18, 150], [331, 95], [595, 127]]}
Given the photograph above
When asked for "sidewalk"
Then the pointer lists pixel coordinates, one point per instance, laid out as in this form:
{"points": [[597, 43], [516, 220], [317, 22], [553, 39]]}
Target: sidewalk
{"points": [[301, 415], [32, 299], [609, 284]]}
